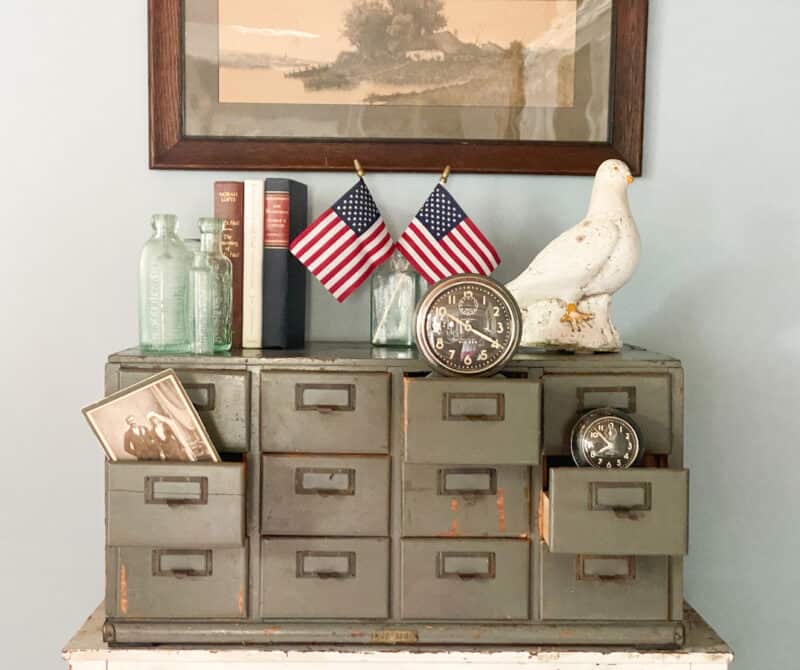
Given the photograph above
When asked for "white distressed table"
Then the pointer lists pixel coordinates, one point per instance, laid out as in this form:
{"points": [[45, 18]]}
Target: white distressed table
{"points": [[704, 650]]}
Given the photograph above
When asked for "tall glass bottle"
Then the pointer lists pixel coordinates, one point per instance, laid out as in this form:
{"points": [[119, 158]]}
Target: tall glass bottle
{"points": [[395, 290], [218, 289], [202, 299], [164, 289]]}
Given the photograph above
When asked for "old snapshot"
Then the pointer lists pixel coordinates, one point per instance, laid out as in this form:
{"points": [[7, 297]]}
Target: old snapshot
{"points": [[153, 420]]}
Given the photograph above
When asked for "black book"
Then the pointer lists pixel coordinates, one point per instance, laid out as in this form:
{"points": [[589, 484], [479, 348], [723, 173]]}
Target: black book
{"points": [[284, 277]]}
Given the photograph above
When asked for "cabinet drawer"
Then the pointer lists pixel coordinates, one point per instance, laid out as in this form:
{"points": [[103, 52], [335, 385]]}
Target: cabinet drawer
{"points": [[167, 583], [472, 421], [465, 579], [641, 511], [647, 398], [605, 588], [175, 504], [466, 500], [318, 495], [323, 578], [222, 399], [325, 412]]}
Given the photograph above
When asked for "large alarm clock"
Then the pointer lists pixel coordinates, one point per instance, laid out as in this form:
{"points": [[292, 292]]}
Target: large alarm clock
{"points": [[468, 325], [606, 438]]}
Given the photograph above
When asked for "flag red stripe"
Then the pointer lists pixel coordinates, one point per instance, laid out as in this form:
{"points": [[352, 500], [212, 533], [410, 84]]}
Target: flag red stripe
{"points": [[430, 245], [363, 260], [467, 251], [461, 234], [487, 244], [431, 277], [464, 263], [318, 248], [368, 270], [347, 255], [299, 239]]}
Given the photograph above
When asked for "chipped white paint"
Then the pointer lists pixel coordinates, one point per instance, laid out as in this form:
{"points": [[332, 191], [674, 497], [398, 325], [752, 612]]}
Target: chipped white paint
{"points": [[565, 293], [87, 651]]}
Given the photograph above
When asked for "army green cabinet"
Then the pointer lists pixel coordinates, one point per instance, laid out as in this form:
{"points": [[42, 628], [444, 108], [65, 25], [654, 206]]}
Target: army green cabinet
{"points": [[363, 499]]}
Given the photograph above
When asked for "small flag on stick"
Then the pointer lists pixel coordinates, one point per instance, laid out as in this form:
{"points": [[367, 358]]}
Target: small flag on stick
{"points": [[345, 243], [442, 240]]}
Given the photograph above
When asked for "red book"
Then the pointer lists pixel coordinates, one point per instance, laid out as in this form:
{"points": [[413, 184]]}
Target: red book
{"points": [[229, 205]]}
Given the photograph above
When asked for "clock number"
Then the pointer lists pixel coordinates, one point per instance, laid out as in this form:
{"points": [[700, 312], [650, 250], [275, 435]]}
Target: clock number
{"points": [[496, 310], [484, 300], [451, 353], [441, 311], [484, 355], [467, 360], [500, 328], [439, 343], [451, 299]]}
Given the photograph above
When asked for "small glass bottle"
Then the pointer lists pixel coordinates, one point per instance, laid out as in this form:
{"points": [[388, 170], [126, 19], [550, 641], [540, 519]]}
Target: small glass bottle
{"points": [[164, 289], [221, 282], [201, 299], [395, 290]]}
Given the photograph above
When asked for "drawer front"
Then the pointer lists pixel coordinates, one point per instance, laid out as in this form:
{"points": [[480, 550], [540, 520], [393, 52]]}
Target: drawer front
{"points": [[465, 579], [641, 511], [324, 578], [325, 412], [222, 400], [472, 421], [647, 398], [604, 588], [168, 583], [318, 495], [176, 505], [442, 500]]}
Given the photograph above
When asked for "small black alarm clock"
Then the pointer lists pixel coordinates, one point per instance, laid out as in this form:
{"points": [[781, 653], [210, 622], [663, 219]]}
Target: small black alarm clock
{"points": [[468, 325], [606, 438]]}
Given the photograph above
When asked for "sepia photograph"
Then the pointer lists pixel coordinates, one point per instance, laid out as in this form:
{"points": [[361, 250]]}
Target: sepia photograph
{"points": [[153, 420]]}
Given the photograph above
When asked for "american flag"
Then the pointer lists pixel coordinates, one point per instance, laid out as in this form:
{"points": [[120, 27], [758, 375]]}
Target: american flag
{"points": [[442, 240], [345, 243]]}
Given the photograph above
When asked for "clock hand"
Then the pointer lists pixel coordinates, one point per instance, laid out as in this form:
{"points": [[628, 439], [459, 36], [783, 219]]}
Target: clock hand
{"points": [[468, 327]]}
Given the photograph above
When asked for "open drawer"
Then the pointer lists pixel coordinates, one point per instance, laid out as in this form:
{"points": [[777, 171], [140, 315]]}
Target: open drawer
{"points": [[641, 511]]}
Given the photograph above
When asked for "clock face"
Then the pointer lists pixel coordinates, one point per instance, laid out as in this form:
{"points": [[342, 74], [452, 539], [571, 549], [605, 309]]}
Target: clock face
{"points": [[605, 438], [468, 325]]}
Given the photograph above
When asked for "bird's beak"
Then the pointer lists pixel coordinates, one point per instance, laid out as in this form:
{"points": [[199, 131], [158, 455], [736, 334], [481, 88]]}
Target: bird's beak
{"points": [[630, 179]]}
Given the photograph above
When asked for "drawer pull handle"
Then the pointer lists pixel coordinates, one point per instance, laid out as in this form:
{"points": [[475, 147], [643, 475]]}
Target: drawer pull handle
{"points": [[466, 565], [325, 398], [606, 568], [468, 481], [622, 498], [180, 563], [473, 407], [326, 564], [325, 481], [618, 397], [176, 491], [203, 396]]}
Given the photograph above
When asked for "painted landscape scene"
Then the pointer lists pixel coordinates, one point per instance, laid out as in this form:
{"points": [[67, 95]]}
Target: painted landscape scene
{"points": [[463, 53]]}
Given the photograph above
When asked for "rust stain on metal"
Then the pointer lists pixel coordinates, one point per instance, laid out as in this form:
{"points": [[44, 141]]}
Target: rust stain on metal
{"points": [[272, 631], [395, 636], [501, 510], [357, 633], [123, 589], [240, 599], [453, 532], [454, 505]]}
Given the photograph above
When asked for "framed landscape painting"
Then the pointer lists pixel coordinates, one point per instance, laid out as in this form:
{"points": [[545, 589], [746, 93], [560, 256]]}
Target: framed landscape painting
{"points": [[527, 86]]}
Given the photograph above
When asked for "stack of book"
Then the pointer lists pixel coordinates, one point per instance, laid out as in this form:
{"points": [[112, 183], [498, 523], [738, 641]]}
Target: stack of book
{"points": [[269, 284]]}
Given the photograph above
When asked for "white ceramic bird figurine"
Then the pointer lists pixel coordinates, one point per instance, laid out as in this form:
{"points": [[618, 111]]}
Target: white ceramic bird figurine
{"points": [[565, 293]]}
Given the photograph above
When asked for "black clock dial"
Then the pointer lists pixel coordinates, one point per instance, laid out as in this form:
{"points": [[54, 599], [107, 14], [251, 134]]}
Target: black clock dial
{"points": [[468, 325], [606, 438]]}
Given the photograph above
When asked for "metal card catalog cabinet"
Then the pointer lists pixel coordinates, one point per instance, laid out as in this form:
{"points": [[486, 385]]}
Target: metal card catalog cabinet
{"points": [[363, 500]]}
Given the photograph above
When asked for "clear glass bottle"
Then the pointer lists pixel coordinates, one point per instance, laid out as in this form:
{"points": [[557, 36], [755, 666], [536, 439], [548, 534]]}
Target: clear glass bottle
{"points": [[201, 300], [220, 286], [395, 291], [164, 289]]}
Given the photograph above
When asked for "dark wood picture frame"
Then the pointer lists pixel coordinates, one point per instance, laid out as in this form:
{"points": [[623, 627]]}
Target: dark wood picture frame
{"points": [[171, 149]]}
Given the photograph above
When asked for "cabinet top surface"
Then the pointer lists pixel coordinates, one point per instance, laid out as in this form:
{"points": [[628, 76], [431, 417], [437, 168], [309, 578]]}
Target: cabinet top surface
{"points": [[357, 353]]}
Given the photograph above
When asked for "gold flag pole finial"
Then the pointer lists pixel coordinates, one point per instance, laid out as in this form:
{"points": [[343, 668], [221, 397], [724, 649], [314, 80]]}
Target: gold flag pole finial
{"points": [[445, 175], [359, 169]]}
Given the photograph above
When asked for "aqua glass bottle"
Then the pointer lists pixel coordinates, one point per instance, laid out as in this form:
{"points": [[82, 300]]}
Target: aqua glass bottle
{"points": [[164, 289], [395, 291], [201, 301], [220, 289]]}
